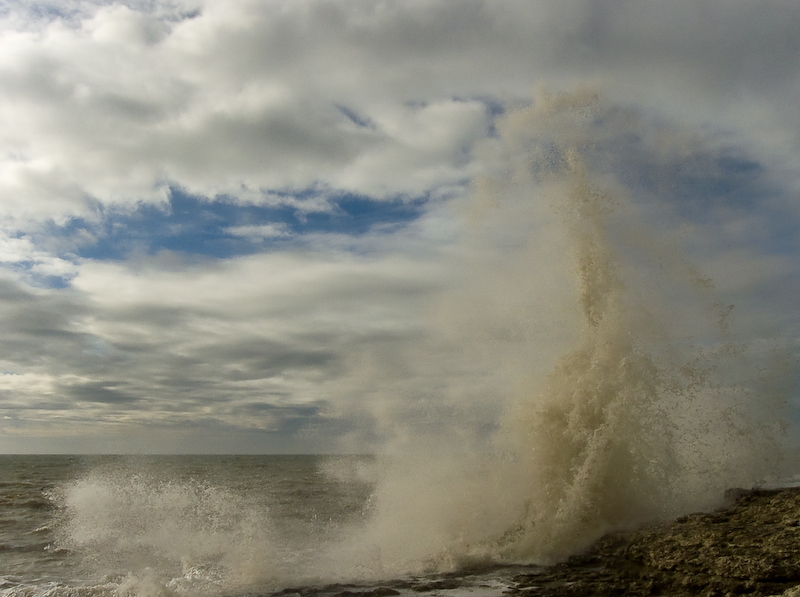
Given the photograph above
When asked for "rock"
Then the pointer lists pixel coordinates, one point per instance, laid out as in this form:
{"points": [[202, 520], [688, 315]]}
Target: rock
{"points": [[377, 592], [751, 547], [437, 585]]}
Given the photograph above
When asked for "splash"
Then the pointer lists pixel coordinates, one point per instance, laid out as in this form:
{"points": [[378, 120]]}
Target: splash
{"points": [[166, 526], [654, 406], [167, 536], [596, 440], [627, 394]]}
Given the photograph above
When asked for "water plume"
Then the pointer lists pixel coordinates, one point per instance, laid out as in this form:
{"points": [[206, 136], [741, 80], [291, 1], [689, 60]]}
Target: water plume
{"points": [[639, 402]]}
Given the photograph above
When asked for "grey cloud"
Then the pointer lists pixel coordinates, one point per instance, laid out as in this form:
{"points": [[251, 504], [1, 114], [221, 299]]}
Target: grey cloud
{"points": [[21, 410], [38, 325], [160, 316], [729, 45], [223, 102], [355, 118], [130, 109], [105, 356], [277, 140], [104, 392], [259, 358], [287, 418]]}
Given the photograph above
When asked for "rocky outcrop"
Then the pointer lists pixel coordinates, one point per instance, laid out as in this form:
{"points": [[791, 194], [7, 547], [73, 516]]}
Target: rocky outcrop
{"points": [[750, 547]]}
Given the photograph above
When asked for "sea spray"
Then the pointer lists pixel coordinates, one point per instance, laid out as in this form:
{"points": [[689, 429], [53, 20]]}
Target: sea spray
{"points": [[637, 421], [167, 535], [594, 442], [604, 385], [651, 406], [204, 525]]}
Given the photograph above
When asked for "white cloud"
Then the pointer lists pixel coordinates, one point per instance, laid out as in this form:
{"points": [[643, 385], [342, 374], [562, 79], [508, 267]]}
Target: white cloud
{"points": [[245, 95], [261, 232], [423, 148], [115, 106]]}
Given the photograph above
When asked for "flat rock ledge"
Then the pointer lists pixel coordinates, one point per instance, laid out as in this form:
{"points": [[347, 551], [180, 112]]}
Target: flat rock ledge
{"points": [[749, 547]]}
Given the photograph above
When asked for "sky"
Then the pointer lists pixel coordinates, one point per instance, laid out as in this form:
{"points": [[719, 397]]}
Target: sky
{"points": [[263, 226]]}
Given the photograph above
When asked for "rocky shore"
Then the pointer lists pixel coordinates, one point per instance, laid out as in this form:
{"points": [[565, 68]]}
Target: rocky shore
{"points": [[750, 547]]}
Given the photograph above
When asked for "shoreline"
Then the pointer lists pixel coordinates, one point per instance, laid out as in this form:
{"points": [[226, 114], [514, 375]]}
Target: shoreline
{"points": [[749, 547]]}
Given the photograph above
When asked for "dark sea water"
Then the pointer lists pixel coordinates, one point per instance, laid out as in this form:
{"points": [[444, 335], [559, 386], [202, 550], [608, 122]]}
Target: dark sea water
{"points": [[198, 525]]}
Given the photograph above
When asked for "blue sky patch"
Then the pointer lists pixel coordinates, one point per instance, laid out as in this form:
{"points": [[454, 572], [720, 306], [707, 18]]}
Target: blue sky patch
{"points": [[222, 229]]}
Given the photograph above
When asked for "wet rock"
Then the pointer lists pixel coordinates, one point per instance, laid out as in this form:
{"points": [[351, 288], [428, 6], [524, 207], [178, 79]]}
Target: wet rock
{"points": [[750, 547], [437, 585], [377, 592]]}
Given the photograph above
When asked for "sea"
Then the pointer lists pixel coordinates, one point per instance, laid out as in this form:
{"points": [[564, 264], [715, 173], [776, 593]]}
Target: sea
{"points": [[78, 525]]}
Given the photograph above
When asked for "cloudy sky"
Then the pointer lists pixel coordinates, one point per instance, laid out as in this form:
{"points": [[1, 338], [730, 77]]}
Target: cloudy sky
{"points": [[234, 226]]}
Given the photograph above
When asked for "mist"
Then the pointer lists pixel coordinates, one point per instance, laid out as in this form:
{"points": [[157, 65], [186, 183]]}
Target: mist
{"points": [[607, 381]]}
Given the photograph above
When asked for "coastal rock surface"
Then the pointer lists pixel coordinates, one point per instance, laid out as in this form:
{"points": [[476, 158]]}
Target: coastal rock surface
{"points": [[749, 547]]}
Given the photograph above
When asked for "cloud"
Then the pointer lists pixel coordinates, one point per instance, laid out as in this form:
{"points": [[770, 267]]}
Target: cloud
{"points": [[296, 216], [111, 108], [280, 230], [250, 96], [257, 342]]}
